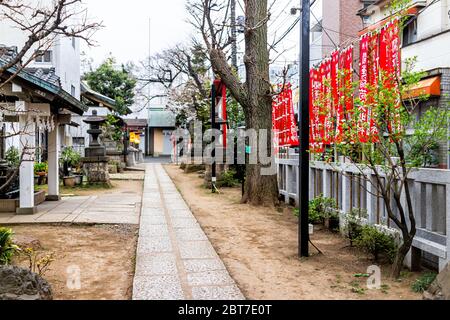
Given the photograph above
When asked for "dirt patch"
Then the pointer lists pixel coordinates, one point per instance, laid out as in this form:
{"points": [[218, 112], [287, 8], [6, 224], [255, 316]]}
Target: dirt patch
{"points": [[105, 256], [259, 248]]}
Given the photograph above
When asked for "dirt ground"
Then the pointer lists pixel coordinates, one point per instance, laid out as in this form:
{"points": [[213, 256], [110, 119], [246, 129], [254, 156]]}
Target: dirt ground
{"points": [[259, 248], [105, 256]]}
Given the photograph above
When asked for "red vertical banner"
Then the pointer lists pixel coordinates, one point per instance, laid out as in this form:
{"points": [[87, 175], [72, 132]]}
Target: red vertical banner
{"points": [[316, 141], [363, 108], [396, 68], [340, 114], [328, 136], [347, 94], [373, 82], [390, 68]]}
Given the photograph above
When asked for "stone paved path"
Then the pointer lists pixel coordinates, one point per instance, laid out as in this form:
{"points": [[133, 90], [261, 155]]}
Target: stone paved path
{"points": [[175, 259]]}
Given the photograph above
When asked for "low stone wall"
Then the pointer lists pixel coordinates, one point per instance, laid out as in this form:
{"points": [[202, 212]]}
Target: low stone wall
{"points": [[10, 205]]}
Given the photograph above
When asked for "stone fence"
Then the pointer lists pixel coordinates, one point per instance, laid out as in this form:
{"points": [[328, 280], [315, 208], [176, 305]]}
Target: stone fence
{"points": [[352, 189]]}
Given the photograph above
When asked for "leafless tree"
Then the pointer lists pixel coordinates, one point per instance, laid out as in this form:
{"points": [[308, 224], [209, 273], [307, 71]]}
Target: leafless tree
{"points": [[255, 95]]}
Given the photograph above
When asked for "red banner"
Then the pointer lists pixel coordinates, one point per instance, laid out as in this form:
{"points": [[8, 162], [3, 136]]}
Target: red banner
{"points": [[363, 108], [316, 127], [284, 123], [373, 81]]}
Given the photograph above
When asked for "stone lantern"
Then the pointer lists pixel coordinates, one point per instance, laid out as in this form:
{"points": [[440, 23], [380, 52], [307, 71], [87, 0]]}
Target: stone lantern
{"points": [[95, 162]]}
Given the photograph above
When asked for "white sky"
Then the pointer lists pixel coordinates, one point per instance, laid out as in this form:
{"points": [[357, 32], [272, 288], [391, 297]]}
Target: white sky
{"points": [[126, 32]]}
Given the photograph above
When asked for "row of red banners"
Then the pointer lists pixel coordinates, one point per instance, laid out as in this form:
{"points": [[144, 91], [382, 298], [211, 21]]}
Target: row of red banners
{"points": [[284, 122], [332, 94]]}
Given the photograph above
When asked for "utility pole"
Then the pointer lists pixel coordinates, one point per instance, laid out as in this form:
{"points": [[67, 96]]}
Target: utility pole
{"points": [[304, 123], [233, 35]]}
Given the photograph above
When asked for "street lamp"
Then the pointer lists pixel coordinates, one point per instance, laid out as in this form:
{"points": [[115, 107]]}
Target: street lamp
{"points": [[303, 123]]}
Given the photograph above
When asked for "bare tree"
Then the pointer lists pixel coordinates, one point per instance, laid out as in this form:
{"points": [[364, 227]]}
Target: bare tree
{"points": [[255, 95], [183, 73]]}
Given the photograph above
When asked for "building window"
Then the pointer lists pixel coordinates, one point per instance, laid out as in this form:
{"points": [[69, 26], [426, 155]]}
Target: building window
{"points": [[78, 141], [44, 56], [410, 32], [73, 90]]}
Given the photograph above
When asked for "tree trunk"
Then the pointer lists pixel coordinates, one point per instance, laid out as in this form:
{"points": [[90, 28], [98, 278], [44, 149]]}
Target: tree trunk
{"points": [[401, 255], [260, 189]]}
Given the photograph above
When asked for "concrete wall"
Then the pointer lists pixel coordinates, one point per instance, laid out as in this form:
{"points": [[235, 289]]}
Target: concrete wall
{"points": [[158, 142]]}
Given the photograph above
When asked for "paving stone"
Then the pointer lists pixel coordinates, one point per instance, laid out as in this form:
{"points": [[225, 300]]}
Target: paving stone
{"points": [[184, 223], [203, 265], [154, 245], [210, 278], [153, 212], [153, 220], [191, 234], [180, 213], [154, 231], [196, 250], [217, 293], [158, 264], [157, 288]]}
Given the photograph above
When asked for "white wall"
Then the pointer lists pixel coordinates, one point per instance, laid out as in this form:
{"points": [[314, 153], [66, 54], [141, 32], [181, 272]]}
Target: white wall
{"points": [[66, 58]]}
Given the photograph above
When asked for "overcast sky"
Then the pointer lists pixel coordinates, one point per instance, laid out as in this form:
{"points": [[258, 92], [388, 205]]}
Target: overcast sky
{"points": [[126, 32]]}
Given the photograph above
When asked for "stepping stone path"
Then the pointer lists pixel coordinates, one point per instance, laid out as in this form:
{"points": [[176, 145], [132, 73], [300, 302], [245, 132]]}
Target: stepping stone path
{"points": [[175, 260]]}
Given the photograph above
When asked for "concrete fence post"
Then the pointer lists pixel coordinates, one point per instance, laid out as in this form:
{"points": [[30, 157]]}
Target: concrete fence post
{"points": [[346, 193]]}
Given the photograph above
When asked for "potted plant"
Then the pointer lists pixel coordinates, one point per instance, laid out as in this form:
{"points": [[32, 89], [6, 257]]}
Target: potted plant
{"points": [[40, 171], [70, 160]]}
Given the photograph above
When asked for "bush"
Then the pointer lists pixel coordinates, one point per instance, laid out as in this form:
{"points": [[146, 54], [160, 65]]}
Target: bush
{"points": [[321, 208], [227, 180], [12, 156], [424, 282], [7, 248], [40, 167], [376, 243], [353, 225]]}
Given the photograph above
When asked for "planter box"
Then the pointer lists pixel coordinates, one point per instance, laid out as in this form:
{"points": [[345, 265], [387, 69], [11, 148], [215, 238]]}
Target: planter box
{"points": [[10, 205]]}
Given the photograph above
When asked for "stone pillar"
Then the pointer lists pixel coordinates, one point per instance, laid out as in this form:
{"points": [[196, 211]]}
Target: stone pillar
{"points": [[442, 264], [326, 183], [346, 193], [27, 146], [54, 146]]}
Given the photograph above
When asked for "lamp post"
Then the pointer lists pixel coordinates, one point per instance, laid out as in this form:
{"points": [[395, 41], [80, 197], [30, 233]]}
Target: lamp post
{"points": [[303, 123]]}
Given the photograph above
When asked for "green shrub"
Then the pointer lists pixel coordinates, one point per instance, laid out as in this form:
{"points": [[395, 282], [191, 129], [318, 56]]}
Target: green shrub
{"points": [[353, 225], [7, 248], [321, 208], [227, 180], [424, 282], [40, 167], [12, 156], [376, 243], [70, 157]]}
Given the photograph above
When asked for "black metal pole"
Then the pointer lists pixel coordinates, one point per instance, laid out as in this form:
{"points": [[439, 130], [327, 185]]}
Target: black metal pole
{"points": [[303, 187], [213, 127]]}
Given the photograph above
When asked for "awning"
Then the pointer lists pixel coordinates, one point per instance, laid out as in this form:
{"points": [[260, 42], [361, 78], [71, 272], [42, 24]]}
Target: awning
{"points": [[430, 87]]}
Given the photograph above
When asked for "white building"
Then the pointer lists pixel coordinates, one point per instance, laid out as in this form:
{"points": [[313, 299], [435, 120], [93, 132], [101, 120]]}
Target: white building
{"points": [[62, 59]]}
